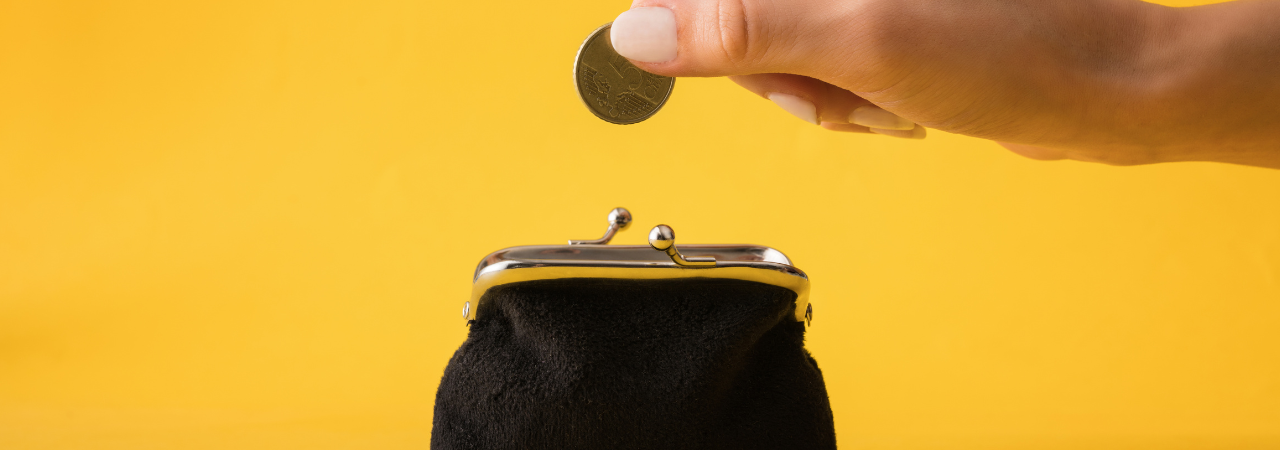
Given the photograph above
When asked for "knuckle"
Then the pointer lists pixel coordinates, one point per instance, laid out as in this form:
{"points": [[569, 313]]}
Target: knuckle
{"points": [[734, 30]]}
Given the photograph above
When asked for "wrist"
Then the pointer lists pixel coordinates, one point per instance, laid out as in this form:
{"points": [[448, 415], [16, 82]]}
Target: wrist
{"points": [[1100, 65], [1127, 77], [1160, 99], [1192, 93]]}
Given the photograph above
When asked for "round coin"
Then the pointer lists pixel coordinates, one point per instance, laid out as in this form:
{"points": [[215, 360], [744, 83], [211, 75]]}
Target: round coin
{"points": [[614, 89]]}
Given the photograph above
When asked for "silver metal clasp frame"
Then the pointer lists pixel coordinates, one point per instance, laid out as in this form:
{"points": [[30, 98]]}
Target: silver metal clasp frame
{"points": [[595, 259]]}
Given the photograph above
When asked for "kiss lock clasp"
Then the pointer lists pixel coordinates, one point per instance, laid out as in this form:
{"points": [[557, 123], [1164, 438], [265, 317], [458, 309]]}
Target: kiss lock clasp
{"points": [[662, 238], [595, 259]]}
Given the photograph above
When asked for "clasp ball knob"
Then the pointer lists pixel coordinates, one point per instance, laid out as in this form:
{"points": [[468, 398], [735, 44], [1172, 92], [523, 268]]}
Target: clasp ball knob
{"points": [[620, 217], [662, 237]]}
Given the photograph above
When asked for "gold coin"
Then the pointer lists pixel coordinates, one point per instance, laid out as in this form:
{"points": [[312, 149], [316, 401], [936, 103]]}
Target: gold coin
{"points": [[614, 89]]}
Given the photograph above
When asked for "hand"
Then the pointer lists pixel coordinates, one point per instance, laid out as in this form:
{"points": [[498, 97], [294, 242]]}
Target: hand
{"points": [[1114, 81]]}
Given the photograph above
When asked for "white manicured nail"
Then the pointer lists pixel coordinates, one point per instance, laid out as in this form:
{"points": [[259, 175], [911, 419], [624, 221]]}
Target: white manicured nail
{"points": [[914, 133], [874, 117], [797, 106], [645, 34]]}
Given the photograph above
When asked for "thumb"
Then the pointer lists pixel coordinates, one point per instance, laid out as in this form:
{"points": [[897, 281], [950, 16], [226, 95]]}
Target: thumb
{"points": [[718, 37]]}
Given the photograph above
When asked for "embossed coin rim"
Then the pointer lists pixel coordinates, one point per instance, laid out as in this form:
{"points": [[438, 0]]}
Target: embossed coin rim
{"points": [[578, 60]]}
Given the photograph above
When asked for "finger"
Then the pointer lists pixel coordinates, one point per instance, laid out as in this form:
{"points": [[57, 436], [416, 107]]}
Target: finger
{"points": [[915, 133], [816, 101], [845, 127], [811, 100], [726, 37]]}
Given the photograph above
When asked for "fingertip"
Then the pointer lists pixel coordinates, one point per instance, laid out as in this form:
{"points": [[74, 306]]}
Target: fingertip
{"points": [[645, 34], [875, 117], [845, 127], [918, 132], [831, 103], [797, 106]]}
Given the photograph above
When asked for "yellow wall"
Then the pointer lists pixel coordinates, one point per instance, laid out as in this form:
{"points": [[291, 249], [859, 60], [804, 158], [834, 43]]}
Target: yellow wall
{"points": [[252, 224]]}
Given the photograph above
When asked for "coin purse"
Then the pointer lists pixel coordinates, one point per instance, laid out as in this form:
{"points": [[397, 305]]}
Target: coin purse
{"points": [[595, 346]]}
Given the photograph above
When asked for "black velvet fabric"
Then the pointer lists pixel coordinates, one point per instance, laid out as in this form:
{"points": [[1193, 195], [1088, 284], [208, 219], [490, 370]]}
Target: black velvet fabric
{"points": [[634, 364]]}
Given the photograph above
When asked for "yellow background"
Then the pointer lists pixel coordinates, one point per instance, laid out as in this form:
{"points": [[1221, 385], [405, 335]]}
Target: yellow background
{"points": [[252, 224]]}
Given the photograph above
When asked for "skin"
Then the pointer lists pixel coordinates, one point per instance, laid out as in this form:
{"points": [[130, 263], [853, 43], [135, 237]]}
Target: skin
{"points": [[1120, 82]]}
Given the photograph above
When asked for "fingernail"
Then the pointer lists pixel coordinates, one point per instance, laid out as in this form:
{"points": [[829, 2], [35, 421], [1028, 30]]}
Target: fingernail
{"points": [[797, 106], [645, 34], [914, 133], [874, 117]]}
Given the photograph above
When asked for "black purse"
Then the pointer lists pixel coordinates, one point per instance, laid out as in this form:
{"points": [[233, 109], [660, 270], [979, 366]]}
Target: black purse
{"points": [[593, 346]]}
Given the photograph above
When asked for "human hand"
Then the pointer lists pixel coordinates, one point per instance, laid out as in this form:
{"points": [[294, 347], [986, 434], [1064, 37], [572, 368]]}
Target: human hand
{"points": [[1113, 81]]}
